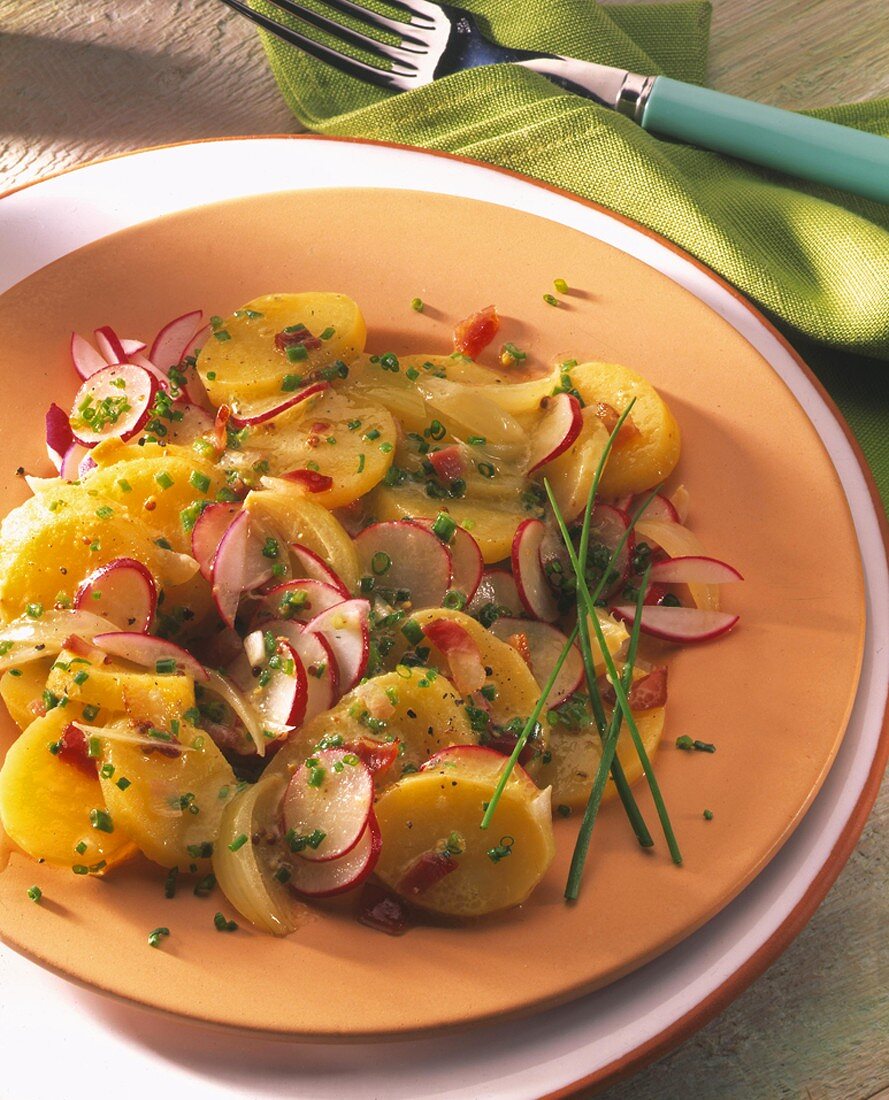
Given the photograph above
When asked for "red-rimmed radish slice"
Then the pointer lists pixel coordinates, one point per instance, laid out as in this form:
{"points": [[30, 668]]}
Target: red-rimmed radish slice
{"points": [[467, 563], [191, 425], [344, 628], [693, 569], [206, 535], [310, 480], [278, 407], [86, 465], [300, 599], [678, 541], [556, 430], [109, 345], [319, 661], [169, 345], [678, 624], [462, 653], [497, 587], [322, 880], [123, 592], [477, 758], [197, 341], [113, 402], [281, 699], [85, 358], [308, 564], [608, 525], [150, 652], [541, 648], [71, 460], [533, 587], [400, 554], [239, 566], [141, 360], [660, 508], [333, 796], [132, 347], [59, 436]]}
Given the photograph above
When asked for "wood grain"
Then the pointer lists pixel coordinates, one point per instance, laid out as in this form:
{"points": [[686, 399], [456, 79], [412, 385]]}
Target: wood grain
{"points": [[84, 80]]}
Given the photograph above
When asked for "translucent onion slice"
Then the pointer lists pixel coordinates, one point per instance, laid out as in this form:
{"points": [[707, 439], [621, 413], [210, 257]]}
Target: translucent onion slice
{"points": [[248, 714], [26, 639], [245, 876], [679, 542]]}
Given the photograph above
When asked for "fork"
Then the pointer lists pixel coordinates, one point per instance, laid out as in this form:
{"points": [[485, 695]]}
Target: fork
{"points": [[436, 40]]}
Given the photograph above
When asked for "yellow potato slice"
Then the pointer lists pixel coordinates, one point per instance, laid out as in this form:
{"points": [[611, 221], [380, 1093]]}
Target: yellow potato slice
{"points": [[298, 517], [423, 713], [643, 460], [240, 363], [421, 812], [575, 757], [173, 805], [45, 803], [111, 690], [350, 441], [22, 688], [55, 539]]}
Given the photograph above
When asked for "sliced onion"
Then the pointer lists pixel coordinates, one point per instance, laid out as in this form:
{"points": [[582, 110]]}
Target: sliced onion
{"points": [[400, 554], [46, 636], [679, 542], [123, 592], [544, 646], [246, 879], [147, 651], [338, 804], [134, 384], [236, 699]]}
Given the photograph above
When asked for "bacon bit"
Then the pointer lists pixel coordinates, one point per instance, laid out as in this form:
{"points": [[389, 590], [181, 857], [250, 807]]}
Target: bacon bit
{"points": [[448, 463], [285, 340], [644, 694], [149, 504], [321, 426], [82, 648], [519, 643], [474, 333], [74, 750], [427, 870], [220, 436], [383, 911], [610, 416], [462, 653], [311, 480], [377, 756]]}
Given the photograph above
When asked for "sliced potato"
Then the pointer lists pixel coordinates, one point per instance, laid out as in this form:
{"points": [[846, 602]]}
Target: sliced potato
{"points": [[21, 689], [300, 518], [240, 362], [350, 441], [173, 804], [421, 812], [45, 803]]}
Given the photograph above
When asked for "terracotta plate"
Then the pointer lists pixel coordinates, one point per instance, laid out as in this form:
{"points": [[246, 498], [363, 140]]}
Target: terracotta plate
{"points": [[774, 696]]}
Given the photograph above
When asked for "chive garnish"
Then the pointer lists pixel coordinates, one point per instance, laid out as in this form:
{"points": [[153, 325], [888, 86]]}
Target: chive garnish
{"points": [[155, 937]]}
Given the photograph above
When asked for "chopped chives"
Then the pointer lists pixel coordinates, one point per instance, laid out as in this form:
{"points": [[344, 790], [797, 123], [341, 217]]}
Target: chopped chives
{"points": [[155, 936], [238, 843], [223, 925], [164, 480], [708, 815], [327, 333], [561, 286], [417, 305], [551, 299], [165, 665], [35, 893], [101, 820], [199, 481]]}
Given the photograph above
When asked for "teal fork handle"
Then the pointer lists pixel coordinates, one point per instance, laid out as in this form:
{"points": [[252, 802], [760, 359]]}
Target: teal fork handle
{"points": [[801, 146]]}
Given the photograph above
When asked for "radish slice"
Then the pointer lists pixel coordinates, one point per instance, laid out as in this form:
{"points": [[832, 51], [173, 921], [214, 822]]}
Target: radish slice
{"points": [[400, 554], [693, 570], [86, 465], [660, 509], [497, 587], [207, 533], [197, 341], [467, 563], [301, 600], [308, 564], [677, 541], [281, 699], [123, 592], [556, 430], [333, 797], [322, 676], [462, 653], [678, 624], [543, 644], [59, 436], [109, 345], [608, 525], [322, 880], [238, 566], [344, 628], [531, 582], [85, 358], [191, 425], [115, 401], [132, 347], [168, 348], [140, 360], [150, 652], [271, 411], [71, 461]]}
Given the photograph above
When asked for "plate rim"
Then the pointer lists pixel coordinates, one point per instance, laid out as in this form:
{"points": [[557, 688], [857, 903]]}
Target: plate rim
{"points": [[797, 917]]}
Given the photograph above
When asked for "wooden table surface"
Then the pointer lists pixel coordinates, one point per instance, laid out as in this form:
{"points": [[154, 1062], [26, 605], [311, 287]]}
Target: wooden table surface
{"points": [[83, 80]]}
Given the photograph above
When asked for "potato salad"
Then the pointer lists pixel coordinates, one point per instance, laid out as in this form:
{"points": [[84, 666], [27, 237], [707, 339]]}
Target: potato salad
{"points": [[296, 619]]}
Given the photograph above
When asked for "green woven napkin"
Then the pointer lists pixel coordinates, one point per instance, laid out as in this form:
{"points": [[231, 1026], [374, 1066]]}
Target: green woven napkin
{"points": [[815, 259]]}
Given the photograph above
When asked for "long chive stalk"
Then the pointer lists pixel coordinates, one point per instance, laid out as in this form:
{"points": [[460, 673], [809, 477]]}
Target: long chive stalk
{"points": [[526, 731], [609, 749], [619, 690]]}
